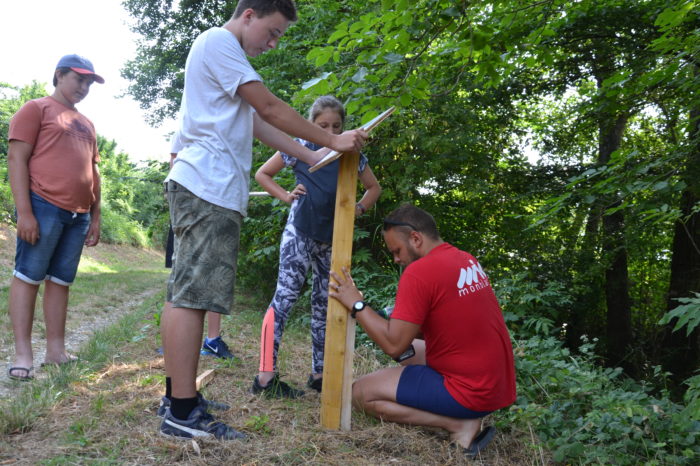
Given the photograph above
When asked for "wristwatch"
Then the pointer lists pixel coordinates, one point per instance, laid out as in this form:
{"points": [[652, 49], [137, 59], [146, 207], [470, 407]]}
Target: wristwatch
{"points": [[357, 307], [408, 354]]}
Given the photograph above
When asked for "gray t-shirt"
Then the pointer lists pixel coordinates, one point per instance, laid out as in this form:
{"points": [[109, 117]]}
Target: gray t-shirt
{"points": [[216, 124]]}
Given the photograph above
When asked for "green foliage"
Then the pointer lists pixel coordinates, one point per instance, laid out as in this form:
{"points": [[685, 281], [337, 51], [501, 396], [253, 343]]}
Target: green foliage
{"points": [[120, 229], [11, 100], [131, 191], [687, 314], [134, 210], [532, 308], [691, 413], [7, 204], [379, 287], [259, 424], [588, 414]]}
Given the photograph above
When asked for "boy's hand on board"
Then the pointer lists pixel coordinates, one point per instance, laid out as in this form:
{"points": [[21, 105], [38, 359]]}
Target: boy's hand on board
{"points": [[349, 141]]}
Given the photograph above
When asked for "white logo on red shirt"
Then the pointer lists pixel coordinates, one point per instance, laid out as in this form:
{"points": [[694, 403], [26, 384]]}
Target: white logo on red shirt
{"points": [[471, 279]]}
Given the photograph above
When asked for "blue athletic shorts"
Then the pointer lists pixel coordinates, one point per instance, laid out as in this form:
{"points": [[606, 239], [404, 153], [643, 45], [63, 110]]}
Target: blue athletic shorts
{"points": [[423, 388], [56, 254]]}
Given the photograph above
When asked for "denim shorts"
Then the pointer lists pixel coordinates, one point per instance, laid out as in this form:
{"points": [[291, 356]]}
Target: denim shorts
{"points": [[423, 388], [56, 255], [203, 271]]}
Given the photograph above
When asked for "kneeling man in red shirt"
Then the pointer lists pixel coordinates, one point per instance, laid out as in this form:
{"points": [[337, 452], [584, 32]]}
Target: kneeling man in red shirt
{"points": [[446, 330]]}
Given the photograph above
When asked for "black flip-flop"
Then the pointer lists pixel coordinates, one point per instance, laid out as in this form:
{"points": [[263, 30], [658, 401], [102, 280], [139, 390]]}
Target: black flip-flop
{"points": [[479, 443], [27, 373]]}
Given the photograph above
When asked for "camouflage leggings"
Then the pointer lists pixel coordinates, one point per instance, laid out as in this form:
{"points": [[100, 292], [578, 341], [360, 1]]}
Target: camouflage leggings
{"points": [[297, 253]]}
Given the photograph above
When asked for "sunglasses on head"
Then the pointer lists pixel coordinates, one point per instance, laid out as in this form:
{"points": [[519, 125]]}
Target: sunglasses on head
{"points": [[394, 223]]}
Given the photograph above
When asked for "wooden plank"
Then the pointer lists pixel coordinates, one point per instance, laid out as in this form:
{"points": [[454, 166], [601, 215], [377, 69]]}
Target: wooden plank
{"points": [[204, 378], [340, 327], [346, 400], [333, 155]]}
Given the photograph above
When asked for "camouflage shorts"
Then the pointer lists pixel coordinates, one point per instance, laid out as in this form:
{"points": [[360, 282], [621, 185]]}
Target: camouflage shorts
{"points": [[206, 250]]}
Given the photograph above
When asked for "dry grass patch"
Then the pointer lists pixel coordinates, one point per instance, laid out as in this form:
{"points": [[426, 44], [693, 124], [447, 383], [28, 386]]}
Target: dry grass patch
{"points": [[106, 408], [110, 416]]}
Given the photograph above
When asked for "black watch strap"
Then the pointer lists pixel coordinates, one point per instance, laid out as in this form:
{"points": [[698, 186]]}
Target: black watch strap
{"points": [[357, 307]]}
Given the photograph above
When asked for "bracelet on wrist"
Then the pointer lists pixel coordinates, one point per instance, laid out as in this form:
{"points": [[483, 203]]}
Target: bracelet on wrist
{"points": [[362, 208]]}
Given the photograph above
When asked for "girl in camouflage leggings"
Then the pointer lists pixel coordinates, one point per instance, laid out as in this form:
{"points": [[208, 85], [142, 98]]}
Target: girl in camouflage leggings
{"points": [[306, 242]]}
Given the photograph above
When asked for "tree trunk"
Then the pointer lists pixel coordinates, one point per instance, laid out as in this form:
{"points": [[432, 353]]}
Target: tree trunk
{"points": [[586, 311], [619, 314], [682, 353]]}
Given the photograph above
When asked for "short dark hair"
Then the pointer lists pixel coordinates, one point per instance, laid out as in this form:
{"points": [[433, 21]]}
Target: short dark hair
{"points": [[62, 71], [408, 217], [262, 8]]}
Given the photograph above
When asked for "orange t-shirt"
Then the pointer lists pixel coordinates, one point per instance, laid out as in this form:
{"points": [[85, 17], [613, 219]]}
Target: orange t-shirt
{"points": [[64, 151]]}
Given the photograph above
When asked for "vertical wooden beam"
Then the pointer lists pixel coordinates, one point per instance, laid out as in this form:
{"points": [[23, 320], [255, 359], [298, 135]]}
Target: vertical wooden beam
{"points": [[340, 327]]}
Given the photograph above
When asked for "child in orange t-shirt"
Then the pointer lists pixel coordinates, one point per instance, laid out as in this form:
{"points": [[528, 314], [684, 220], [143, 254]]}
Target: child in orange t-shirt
{"points": [[52, 160]]}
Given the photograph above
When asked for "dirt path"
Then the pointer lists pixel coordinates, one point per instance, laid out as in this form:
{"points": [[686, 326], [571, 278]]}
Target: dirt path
{"points": [[88, 310], [75, 338]]}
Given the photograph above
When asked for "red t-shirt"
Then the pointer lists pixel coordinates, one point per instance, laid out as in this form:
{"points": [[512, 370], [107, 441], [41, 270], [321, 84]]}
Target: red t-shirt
{"points": [[448, 294], [64, 151]]}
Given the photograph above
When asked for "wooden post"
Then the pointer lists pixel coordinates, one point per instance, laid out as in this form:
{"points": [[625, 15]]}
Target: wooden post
{"points": [[340, 327]]}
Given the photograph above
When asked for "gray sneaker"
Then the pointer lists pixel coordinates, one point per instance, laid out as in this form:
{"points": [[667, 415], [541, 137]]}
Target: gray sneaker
{"points": [[208, 405], [199, 424], [275, 388]]}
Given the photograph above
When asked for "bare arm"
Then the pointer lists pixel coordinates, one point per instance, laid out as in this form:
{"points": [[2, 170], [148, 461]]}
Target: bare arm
{"points": [[372, 191], [272, 137], [18, 163], [265, 177], [393, 336], [277, 113], [93, 234]]}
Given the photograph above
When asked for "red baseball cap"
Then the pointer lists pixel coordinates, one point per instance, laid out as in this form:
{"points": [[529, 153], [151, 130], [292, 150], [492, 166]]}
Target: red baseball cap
{"points": [[80, 65]]}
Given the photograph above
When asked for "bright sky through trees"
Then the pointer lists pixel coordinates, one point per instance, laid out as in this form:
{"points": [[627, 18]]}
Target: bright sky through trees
{"points": [[36, 33]]}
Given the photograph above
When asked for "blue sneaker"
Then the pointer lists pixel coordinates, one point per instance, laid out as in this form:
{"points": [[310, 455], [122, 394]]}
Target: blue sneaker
{"points": [[199, 424], [217, 347]]}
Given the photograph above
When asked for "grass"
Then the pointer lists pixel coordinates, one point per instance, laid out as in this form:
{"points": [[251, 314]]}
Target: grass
{"points": [[102, 409]]}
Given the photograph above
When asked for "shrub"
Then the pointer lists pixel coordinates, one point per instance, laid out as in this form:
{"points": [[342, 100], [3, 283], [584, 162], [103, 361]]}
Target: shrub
{"points": [[7, 203], [590, 414], [119, 229]]}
